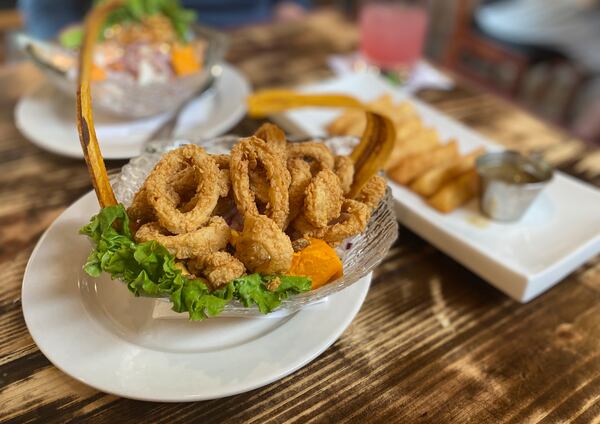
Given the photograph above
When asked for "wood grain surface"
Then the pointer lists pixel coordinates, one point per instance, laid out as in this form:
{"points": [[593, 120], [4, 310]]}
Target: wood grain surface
{"points": [[432, 343]]}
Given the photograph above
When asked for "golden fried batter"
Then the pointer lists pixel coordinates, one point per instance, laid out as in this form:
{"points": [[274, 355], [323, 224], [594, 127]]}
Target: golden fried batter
{"points": [[208, 191], [372, 192], [300, 179], [263, 247], [323, 198], [273, 136], [251, 150], [312, 151], [353, 220], [211, 238], [219, 268], [344, 169]]}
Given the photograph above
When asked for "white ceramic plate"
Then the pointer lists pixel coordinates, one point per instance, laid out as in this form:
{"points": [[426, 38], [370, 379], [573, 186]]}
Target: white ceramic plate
{"points": [[103, 336], [47, 118], [559, 233]]}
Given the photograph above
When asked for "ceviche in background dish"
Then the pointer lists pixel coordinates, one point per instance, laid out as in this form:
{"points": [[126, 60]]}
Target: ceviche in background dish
{"points": [[145, 40]]}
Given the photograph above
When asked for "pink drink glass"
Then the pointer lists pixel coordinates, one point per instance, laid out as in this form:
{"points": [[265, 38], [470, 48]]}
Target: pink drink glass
{"points": [[392, 32]]}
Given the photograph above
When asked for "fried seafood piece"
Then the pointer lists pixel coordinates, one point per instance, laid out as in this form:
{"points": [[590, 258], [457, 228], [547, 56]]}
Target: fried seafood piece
{"points": [[254, 151], [263, 247], [141, 211], [273, 136], [300, 179], [183, 182], [207, 192], [219, 268], [313, 152], [344, 169], [352, 221], [372, 192], [221, 160], [323, 198], [211, 238], [259, 184]]}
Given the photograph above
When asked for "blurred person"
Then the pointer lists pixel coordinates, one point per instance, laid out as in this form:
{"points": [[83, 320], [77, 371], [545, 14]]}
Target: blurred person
{"points": [[569, 26], [45, 18]]}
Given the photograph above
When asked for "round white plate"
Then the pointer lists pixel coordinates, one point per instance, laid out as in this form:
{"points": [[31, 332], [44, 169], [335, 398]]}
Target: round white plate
{"points": [[102, 335], [47, 118]]}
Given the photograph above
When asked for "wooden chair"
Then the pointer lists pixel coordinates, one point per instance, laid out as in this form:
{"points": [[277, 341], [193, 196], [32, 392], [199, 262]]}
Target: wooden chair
{"points": [[496, 64]]}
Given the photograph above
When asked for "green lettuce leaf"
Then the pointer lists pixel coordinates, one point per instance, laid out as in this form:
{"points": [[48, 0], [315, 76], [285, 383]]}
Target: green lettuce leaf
{"points": [[149, 269]]}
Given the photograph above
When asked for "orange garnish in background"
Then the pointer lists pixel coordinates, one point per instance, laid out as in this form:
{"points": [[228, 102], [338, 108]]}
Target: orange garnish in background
{"points": [[184, 59]]}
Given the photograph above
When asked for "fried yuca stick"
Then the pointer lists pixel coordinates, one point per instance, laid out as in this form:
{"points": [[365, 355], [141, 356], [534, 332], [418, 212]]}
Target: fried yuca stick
{"points": [[456, 192], [419, 140], [85, 121], [431, 181], [413, 166]]}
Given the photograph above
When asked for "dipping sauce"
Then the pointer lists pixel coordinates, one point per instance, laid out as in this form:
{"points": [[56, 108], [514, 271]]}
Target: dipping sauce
{"points": [[510, 182], [509, 173]]}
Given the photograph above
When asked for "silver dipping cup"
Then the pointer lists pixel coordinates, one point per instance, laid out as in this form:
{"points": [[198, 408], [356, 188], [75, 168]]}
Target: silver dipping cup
{"points": [[503, 197]]}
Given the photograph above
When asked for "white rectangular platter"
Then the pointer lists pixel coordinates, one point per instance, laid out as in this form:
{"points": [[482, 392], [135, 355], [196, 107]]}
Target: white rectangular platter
{"points": [[558, 233]]}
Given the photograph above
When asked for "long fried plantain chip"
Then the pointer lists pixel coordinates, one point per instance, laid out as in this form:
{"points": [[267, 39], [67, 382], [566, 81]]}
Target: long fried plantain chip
{"points": [[376, 143], [85, 122]]}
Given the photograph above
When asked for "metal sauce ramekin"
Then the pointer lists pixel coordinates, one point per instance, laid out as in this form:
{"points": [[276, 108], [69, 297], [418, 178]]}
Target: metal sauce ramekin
{"points": [[510, 182]]}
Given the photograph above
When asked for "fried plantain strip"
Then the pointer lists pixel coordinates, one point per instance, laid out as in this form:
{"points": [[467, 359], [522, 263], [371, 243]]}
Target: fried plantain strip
{"points": [[85, 122]]}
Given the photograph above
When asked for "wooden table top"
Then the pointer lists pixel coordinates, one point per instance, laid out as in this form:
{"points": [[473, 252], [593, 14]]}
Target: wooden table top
{"points": [[432, 342]]}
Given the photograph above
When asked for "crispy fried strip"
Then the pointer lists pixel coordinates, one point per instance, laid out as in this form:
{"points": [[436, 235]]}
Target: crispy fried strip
{"points": [[267, 102], [373, 151], [85, 120], [211, 238], [253, 149]]}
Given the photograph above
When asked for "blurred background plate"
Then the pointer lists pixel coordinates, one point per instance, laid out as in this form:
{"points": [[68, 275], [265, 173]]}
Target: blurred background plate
{"points": [[47, 118]]}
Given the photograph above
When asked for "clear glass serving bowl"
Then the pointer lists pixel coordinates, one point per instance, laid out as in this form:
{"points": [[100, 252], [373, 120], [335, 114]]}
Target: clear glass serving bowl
{"points": [[360, 254], [121, 95]]}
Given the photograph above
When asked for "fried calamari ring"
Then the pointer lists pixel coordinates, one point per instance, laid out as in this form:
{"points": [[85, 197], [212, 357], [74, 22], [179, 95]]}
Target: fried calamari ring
{"points": [[300, 179], [263, 247], [312, 151], [207, 191], [184, 185], [372, 192], [323, 199], [219, 268], [353, 220], [141, 211], [273, 136], [259, 184], [344, 169], [211, 238], [253, 150]]}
